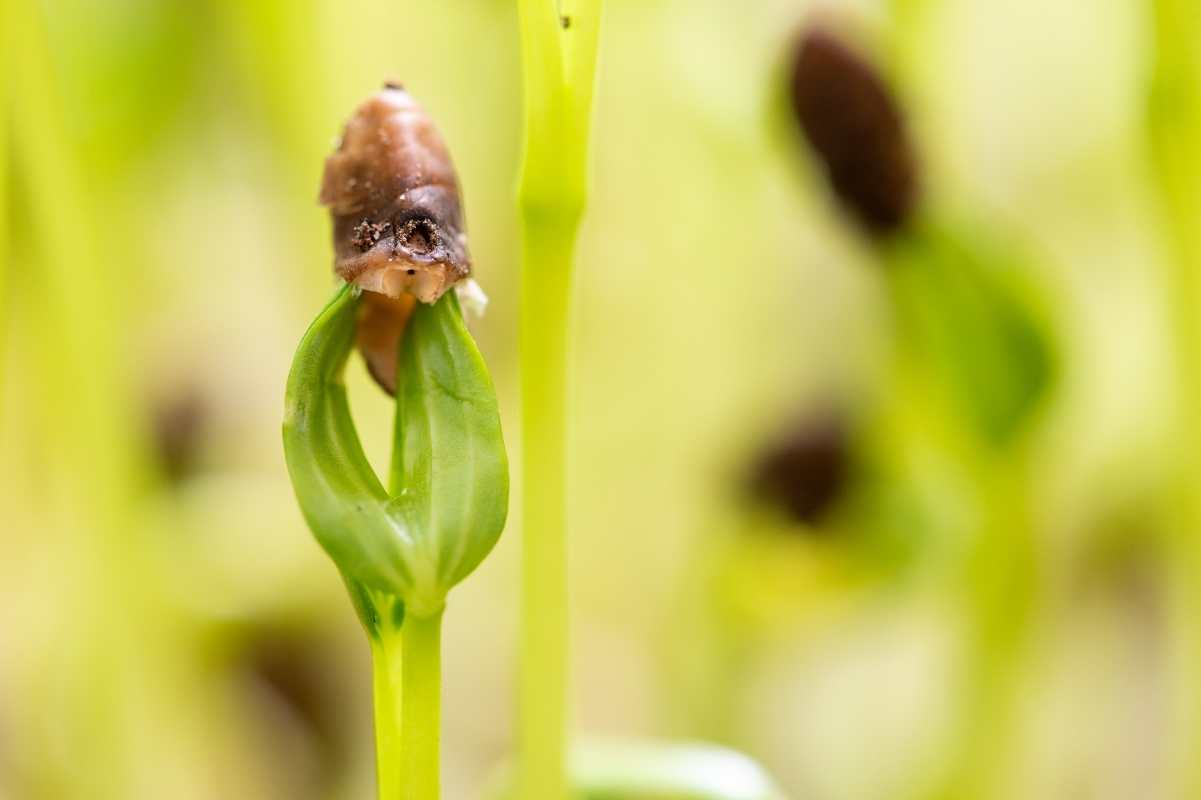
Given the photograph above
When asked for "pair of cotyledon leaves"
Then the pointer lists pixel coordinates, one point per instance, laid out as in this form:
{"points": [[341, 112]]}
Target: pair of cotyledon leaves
{"points": [[449, 490]]}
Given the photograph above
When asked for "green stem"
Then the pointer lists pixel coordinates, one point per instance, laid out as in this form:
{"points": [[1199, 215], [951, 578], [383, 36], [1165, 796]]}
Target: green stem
{"points": [[1000, 595], [6, 44], [386, 680], [908, 57], [1174, 128], [544, 327], [559, 68], [995, 581], [421, 689]]}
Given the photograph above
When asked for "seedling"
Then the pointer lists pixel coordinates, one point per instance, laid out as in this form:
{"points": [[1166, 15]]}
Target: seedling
{"points": [[401, 549]]}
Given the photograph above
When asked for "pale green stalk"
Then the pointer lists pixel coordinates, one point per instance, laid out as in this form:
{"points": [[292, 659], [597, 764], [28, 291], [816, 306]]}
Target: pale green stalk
{"points": [[1174, 128], [420, 729], [80, 344], [6, 46], [387, 665], [84, 423], [289, 62], [559, 69], [994, 589], [1000, 594], [943, 353]]}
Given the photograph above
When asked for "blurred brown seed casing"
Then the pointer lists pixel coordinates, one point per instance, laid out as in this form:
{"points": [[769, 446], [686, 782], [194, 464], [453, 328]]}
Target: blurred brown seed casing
{"points": [[397, 217], [804, 471], [180, 421], [854, 125]]}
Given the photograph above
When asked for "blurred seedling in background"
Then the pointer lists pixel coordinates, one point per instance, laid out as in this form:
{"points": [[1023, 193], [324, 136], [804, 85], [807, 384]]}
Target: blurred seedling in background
{"points": [[808, 531], [963, 313], [974, 365]]}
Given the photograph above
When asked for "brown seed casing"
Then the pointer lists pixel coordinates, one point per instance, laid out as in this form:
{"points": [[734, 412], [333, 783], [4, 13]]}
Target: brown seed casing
{"points": [[382, 321], [394, 198], [398, 221], [854, 124]]}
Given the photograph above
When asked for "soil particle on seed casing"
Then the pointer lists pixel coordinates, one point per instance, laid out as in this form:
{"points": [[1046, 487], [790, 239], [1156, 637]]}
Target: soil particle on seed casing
{"points": [[367, 234]]}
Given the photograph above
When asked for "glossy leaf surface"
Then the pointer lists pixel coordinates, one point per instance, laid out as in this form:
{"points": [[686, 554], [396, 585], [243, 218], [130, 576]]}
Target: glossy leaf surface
{"points": [[451, 474]]}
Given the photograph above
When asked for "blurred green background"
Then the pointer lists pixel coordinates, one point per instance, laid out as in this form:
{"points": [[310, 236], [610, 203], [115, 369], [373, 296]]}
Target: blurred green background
{"points": [[168, 628]]}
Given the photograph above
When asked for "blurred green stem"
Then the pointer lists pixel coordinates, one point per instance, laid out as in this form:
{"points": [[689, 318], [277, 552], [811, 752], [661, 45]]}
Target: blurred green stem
{"points": [[291, 62], [420, 729], [909, 49], [6, 46], [1000, 592], [85, 428], [559, 45], [975, 365], [1174, 131]]}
